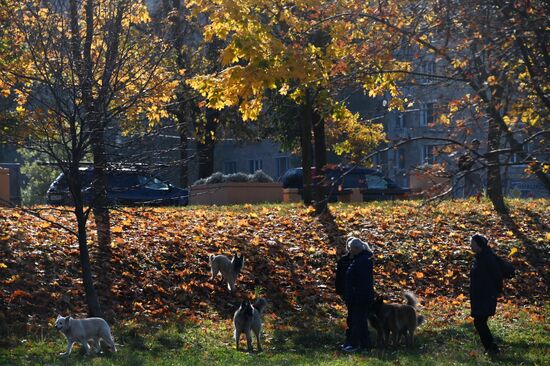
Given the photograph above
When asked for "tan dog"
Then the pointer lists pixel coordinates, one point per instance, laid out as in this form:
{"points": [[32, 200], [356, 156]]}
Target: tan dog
{"points": [[397, 319]]}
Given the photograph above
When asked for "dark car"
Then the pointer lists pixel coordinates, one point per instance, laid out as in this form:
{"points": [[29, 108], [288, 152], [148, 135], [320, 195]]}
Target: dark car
{"points": [[371, 182], [124, 187]]}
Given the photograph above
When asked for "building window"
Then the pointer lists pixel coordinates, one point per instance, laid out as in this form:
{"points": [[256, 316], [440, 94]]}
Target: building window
{"points": [[400, 120], [230, 167], [427, 114], [376, 160], [428, 154], [282, 164], [401, 159], [427, 68], [254, 165]]}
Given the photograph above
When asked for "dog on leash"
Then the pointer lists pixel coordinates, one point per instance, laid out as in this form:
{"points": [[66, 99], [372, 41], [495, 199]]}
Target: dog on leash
{"points": [[248, 319], [397, 319], [229, 268], [88, 332]]}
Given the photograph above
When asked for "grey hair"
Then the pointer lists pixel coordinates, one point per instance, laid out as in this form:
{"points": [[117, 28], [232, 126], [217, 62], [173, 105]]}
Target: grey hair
{"points": [[357, 243]]}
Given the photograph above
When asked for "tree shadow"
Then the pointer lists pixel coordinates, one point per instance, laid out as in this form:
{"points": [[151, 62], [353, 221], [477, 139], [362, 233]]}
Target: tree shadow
{"points": [[335, 235]]}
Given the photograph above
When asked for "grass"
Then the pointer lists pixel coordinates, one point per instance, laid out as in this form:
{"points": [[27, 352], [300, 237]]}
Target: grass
{"points": [[523, 341]]}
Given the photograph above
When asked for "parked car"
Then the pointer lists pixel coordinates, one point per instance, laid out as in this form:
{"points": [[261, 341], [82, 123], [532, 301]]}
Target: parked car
{"points": [[124, 187], [371, 182]]}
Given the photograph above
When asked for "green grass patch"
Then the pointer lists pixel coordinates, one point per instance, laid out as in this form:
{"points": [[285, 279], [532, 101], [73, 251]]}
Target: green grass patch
{"points": [[524, 341]]}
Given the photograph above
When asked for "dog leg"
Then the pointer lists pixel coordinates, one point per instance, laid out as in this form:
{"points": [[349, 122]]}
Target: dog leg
{"points": [[258, 341], [109, 342], [214, 271], [249, 341], [70, 345], [95, 345], [387, 337], [237, 339], [86, 347], [396, 337]]}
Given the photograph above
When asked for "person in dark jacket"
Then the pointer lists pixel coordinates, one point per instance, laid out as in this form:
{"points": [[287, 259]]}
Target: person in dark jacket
{"points": [[359, 294], [485, 286], [341, 269]]}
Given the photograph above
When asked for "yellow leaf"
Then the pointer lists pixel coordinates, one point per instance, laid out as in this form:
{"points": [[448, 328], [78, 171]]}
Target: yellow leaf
{"points": [[513, 251], [117, 230], [419, 275], [3, 265]]}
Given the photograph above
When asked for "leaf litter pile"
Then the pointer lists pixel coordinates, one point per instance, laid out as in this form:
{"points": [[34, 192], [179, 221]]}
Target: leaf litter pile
{"points": [[157, 264]]}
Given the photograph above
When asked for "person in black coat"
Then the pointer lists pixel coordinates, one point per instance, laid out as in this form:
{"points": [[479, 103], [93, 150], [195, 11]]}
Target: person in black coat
{"points": [[485, 286], [340, 281], [359, 294]]}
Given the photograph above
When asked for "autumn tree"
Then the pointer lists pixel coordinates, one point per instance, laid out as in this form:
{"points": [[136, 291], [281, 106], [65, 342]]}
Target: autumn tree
{"points": [[496, 51], [81, 67], [284, 48]]}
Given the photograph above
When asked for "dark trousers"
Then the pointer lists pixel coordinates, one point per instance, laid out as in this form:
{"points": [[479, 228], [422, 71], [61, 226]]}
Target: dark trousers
{"points": [[358, 331], [484, 333]]}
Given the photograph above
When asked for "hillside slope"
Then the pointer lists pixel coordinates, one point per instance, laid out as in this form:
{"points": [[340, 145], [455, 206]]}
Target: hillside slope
{"points": [[157, 265]]}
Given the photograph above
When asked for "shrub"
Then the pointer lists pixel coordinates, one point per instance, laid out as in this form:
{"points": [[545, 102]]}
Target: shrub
{"points": [[217, 177], [238, 177], [198, 182], [260, 177]]}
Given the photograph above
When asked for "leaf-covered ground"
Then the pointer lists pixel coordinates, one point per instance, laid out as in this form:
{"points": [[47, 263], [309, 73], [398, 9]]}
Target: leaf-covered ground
{"points": [[157, 266]]}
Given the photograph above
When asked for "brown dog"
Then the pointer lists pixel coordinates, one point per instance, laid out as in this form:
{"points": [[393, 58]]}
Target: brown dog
{"points": [[397, 319]]}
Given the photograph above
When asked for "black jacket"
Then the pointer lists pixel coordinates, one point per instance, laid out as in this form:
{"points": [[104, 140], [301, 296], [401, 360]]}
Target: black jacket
{"points": [[341, 269], [485, 283], [359, 279]]}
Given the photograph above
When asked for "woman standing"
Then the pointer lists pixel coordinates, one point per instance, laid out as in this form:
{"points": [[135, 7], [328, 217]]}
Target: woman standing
{"points": [[359, 293], [485, 286]]}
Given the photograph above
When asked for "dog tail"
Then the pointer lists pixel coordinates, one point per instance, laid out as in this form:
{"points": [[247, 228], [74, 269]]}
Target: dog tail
{"points": [[411, 299], [420, 320], [260, 305]]}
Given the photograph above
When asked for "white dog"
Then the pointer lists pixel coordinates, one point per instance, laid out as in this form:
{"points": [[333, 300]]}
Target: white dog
{"points": [[229, 268], [87, 332]]}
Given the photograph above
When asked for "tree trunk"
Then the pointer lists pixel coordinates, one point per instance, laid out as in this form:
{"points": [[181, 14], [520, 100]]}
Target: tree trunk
{"points": [[205, 147], [320, 151], [101, 215], [92, 300], [494, 181], [94, 310], [305, 144], [100, 203], [183, 110], [183, 146]]}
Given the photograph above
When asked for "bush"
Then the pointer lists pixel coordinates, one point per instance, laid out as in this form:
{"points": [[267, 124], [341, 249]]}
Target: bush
{"points": [[258, 177], [199, 182], [217, 177], [238, 177], [36, 177]]}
